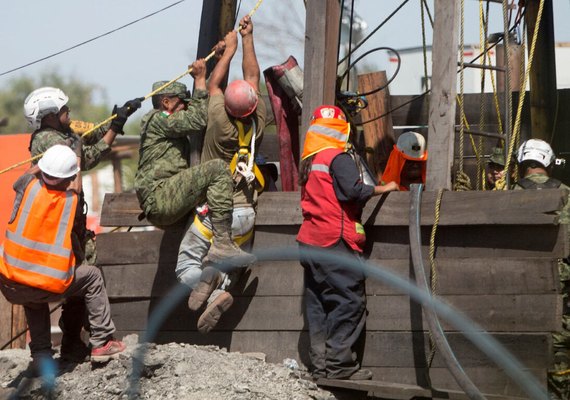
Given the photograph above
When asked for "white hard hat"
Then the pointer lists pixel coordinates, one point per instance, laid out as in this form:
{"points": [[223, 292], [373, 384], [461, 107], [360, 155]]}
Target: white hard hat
{"points": [[41, 102], [59, 161], [412, 144], [536, 150]]}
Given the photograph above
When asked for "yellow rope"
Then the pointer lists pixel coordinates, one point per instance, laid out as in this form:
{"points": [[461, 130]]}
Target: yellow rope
{"points": [[561, 373], [433, 266], [462, 86], [516, 128], [480, 183], [112, 117]]}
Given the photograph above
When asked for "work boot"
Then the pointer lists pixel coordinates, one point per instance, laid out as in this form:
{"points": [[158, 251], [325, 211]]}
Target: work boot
{"points": [[223, 247], [209, 319], [110, 350], [73, 350], [210, 279]]}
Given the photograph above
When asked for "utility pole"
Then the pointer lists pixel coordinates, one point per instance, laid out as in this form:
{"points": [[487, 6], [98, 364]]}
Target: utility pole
{"points": [[441, 130], [543, 73]]}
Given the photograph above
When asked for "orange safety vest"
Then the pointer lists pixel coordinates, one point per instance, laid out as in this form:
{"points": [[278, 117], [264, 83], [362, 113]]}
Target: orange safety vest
{"points": [[37, 249]]}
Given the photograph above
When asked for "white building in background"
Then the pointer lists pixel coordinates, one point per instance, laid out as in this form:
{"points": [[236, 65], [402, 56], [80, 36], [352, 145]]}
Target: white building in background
{"points": [[410, 79]]}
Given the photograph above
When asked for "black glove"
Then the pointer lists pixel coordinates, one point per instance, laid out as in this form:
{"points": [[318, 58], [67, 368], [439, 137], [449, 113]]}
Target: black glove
{"points": [[123, 113]]}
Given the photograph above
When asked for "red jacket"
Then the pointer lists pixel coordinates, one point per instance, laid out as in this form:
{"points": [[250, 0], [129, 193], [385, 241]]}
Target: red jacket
{"points": [[325, 219]]}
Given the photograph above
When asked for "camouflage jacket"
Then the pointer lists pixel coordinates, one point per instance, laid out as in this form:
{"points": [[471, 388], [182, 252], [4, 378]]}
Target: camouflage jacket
{"points": [[541, 178], [165, 149], [45, 138], [564, 218]]}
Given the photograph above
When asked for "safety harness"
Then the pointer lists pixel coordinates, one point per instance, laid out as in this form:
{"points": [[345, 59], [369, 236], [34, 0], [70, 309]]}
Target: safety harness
{"points": [[241, 166], [243, 160], [199, 216]]}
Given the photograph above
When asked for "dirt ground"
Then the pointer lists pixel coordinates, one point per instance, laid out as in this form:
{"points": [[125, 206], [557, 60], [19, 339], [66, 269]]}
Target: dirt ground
{"points": [[170, 371]]}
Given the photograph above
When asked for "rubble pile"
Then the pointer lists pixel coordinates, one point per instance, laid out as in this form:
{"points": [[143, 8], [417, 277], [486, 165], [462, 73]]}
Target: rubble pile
{"points": [[169, 371]]}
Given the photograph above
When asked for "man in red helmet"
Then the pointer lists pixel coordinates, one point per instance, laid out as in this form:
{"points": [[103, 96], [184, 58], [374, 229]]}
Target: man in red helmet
{"points": [[236, 119], [333, 195]]}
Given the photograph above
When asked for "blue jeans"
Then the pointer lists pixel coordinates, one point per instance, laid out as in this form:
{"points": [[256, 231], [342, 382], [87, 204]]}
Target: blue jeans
{"points": [[195, 246]]}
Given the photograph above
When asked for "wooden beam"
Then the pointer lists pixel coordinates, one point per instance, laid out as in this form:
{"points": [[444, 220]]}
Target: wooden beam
{"points": [[529, 207], [19, 325], [378, 135], [441, 131], [5, 321], [321, 56], [117, 175], [543, 73], [217, 19]]}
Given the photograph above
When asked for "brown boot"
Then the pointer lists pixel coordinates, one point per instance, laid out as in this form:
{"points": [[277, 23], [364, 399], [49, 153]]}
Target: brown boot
{"points": [[209, 281], [223, 247], [209, 319]]}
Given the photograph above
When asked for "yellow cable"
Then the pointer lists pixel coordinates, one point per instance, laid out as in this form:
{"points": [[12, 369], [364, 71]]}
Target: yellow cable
{"points": [[112, 117], [516, 128], [433, 266]]}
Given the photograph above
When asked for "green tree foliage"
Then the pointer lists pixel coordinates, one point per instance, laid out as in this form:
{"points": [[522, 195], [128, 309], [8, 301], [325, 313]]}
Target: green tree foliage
{"points": [[82, 100]]}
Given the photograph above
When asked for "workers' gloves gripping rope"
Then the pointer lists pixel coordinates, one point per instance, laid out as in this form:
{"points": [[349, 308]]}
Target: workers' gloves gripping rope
{"points": [[123, 113]]}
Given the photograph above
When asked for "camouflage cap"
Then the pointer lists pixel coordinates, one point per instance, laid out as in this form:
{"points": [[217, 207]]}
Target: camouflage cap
{"points": [[174, 89], [497, 156]]}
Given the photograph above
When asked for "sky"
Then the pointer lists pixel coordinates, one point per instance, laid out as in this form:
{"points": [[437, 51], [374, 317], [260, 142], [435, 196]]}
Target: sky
{"points": [[124, 64]]}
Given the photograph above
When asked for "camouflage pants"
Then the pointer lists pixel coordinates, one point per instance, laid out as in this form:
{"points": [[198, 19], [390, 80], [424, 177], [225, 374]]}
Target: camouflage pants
{"points": [[559, 376], [175, 197]]}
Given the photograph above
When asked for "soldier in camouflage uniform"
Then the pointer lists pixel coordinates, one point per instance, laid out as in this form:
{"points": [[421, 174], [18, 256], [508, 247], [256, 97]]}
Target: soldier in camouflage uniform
{"points": [[536, 159], [168, 189], [47, 113]]}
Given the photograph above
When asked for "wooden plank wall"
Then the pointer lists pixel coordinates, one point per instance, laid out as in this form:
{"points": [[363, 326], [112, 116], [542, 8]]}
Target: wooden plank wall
{"points": [[496, 260]]}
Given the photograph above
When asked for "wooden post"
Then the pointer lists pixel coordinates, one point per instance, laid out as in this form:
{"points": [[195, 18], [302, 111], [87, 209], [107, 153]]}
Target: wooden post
{"points": [[117, 176], [378, 135], [321, 56], [5, 321], [543, 73], [441, 131], [217, 19], [19, 325]]}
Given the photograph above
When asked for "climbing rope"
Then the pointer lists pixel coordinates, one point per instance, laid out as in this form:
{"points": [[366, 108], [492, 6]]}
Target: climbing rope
{"points": [[112, 117], [483, 20], [433, 267], [462, 180], [517, 125]]}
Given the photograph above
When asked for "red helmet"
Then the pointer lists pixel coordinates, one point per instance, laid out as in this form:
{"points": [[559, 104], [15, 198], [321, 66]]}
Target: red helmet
{"points": [[240, 99], [328, 112]]}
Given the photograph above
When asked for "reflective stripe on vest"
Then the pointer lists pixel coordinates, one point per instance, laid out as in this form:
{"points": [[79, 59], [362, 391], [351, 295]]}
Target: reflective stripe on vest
{"points": [[38, 250], [320, 168]]}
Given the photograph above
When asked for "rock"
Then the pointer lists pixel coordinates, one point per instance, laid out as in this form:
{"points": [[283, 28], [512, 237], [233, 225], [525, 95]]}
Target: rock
{"points": [[170, 371]]}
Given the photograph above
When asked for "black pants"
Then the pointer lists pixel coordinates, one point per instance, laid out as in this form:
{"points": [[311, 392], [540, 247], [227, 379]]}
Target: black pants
{"points": [[335, 301]]}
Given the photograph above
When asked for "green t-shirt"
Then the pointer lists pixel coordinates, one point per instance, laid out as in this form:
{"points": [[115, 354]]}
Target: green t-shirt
{"points": [[221, 141]]}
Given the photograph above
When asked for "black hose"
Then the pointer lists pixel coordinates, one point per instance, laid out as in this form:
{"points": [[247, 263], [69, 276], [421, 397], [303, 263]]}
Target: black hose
{"points": [[433, 321], [364, 55]]}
